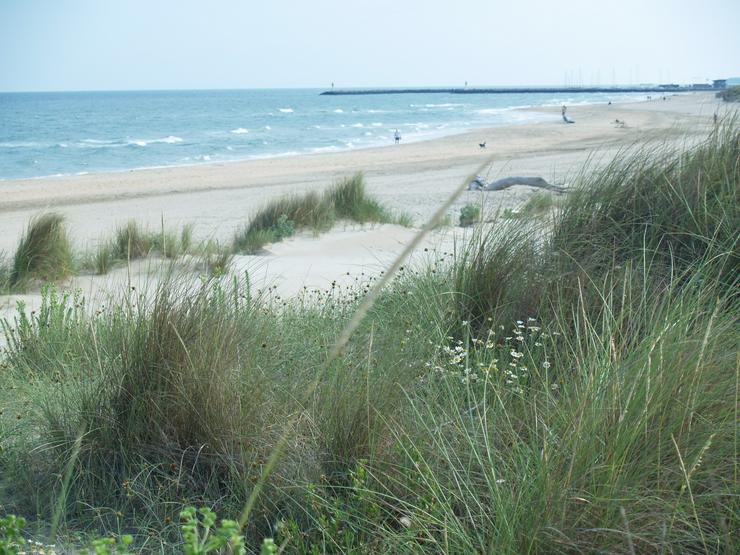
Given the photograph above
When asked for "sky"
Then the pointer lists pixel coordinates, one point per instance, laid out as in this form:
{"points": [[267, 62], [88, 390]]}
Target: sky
{"points": [[57, 45]]}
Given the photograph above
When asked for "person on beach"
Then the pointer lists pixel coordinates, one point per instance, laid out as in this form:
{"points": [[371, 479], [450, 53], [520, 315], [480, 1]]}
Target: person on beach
{"points": [[565, 118], [397, 136]]}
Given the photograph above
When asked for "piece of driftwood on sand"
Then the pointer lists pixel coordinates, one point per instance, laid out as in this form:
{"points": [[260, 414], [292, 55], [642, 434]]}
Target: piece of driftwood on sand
{"points": [[480, 184]]}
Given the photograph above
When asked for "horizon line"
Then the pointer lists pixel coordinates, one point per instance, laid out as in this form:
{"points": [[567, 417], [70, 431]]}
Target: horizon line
{"points": [[349, 87]]}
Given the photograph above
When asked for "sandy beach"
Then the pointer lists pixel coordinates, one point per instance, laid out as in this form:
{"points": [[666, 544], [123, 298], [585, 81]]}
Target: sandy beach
{"points": [[415, 178]]}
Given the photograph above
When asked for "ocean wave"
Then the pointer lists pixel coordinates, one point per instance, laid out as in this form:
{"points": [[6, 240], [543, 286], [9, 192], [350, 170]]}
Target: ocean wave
{"points": [[368, 133], [268, 127], [239, 131], [21, 144], [98, 143], [377, 124], [357, 125], [443, 105], [286, 110], [338, 111], [114, 143], [321, 149], [170, 140]]}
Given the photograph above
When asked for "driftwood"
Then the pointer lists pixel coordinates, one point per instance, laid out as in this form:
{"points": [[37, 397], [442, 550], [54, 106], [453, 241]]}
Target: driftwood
{"points": [[479, 184]]}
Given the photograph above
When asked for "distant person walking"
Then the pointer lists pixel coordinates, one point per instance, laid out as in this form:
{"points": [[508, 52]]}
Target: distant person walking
{"points": [[715, 118], [565, 117], [397, 136]]}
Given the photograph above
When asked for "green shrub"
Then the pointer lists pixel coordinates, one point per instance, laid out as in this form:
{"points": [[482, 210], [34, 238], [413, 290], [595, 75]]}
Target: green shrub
{"points": [[730, 94], [43, 253], [469, 215]]}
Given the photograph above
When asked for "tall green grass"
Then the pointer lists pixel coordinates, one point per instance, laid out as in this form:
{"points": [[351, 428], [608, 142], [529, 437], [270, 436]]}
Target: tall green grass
{"points": [[44, 252], [281, 218], [571, 389]]}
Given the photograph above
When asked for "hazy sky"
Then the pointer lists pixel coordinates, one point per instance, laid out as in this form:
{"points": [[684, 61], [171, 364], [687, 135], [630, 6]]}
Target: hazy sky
{"points": [[176, 44]]}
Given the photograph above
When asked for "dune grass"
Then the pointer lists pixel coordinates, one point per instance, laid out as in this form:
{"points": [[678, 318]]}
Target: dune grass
{"points": [[537, 205], [562, 390], [283, 217], [44, 252]]}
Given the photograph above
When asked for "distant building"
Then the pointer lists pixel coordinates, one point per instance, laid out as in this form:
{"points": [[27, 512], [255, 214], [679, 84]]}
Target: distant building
{"points": [[719, 84], [700, 86], [668, 86]]}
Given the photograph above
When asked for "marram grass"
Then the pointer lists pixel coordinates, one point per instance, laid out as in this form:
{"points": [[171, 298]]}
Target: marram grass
{"points": [[571, 390], [281, 218], [44, 252]]}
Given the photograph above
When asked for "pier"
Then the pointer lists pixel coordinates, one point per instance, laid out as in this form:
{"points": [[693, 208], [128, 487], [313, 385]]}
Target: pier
{"points": [[519, 90]]}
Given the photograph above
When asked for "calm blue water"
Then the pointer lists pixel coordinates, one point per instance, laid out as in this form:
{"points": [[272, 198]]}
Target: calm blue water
{"points": [[45, 134]]}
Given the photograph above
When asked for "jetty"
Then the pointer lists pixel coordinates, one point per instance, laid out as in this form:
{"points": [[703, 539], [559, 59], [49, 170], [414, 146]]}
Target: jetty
{"points": [[527, 90]]}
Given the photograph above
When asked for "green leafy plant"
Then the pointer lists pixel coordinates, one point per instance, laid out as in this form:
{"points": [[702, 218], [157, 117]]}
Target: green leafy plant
{"points": [[11, 539], [201, 535], [469, 215]]}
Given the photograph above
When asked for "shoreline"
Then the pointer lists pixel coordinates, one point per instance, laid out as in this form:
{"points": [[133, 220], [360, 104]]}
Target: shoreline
{"points": [[535, 109], [413, 177]]}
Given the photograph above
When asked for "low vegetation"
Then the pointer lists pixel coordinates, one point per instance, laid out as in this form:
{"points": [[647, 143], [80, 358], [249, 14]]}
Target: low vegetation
{"points": [[281, 218], [469, 215], [571, 389], [730, 94], [536, 206], [44, 252]]}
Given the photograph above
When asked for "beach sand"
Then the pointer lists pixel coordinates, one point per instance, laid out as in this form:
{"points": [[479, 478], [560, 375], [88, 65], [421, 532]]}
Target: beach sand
{"points": [[414, 178]]}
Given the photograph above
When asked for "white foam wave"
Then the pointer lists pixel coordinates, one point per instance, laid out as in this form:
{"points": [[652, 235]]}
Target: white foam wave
{"points": [[320, 149], [442, 105], [239, 131], [338, 111], [357, 125], [170, 140], [20, 144], [286, 110], [377, 124], [268, 127]]}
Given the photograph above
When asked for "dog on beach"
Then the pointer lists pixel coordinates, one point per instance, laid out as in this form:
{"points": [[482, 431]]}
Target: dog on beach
{"points": [[482, 145]]}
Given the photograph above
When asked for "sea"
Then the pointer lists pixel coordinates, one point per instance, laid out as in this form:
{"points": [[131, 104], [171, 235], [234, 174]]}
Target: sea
{"points": [[74, 133]]}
